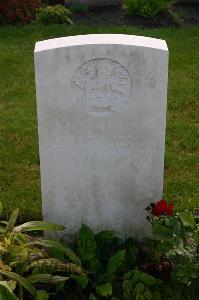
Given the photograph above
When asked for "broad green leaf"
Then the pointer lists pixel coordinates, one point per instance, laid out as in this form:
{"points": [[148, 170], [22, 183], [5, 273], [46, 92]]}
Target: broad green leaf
{"points": [[21, 267], [169, 221], [1, 207], [12, 284], [139, 288], [161, 231], [86, 244], [39, 225], [21, 238], [102, 238], [12, 221], [92, 297], [107, 277], [57, 245], [104, 235], [81, 280], [116, 261], [177, 227], [46, 278], [147, 295], [2, 230], [22, 281], [156, 296], [196, 237], [94, 266], [187, 219], [6, 292], [166, 245], [104, 289], [128, 275], [42, 295], [56, 253], [147, 279], [127, 288]]}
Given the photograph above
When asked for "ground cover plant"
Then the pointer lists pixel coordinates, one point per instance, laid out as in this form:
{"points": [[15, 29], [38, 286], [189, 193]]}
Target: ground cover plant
{"points": [[57, 14], [101, 265], [147, 8], [144, 13], [19, 158]]}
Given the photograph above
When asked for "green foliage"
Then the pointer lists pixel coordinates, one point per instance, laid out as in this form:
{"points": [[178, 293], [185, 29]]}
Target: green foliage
{"points": [[139, 285], [22, 281], [50, 244], [25, 263], [101, 256], [79, 8], [116, 261], [177, 239], [147, 8], [42, 295], [81, 280], [6, 291], [104, 289], [86, 244], [100, 265], [57, 14], [38, 225], [187, 219]]}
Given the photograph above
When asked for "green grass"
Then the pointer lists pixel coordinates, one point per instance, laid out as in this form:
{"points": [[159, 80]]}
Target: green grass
{"points": [[19, 159]]}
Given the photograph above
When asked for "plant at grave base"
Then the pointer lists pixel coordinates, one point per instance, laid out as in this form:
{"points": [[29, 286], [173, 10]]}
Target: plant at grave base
{"points": [[101, 265], [140, 285], [27, 270], [57, 14], [175, 245], [115, 268], [104, 256], [147, 8]]}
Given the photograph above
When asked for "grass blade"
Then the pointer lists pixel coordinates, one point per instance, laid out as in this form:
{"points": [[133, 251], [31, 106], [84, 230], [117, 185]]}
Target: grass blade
{"points": [[12, 221], [57, 265], [54, 244], [6, 291], [22, 281], [39, 225], [46, 278]]}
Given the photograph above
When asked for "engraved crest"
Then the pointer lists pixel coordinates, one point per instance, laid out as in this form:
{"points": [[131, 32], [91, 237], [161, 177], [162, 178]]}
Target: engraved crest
{"points": [[101, 85]]}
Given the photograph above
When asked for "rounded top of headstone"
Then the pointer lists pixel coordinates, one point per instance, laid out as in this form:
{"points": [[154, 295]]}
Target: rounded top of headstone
{"points": [[101, 39]]}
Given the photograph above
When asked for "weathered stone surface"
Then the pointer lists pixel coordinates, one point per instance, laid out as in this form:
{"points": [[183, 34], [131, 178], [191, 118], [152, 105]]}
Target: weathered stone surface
{"points": [[101, 102]]}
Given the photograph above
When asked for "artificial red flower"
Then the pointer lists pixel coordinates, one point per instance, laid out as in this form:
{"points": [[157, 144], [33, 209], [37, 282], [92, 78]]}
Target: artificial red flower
{"points": [[162, 208]]}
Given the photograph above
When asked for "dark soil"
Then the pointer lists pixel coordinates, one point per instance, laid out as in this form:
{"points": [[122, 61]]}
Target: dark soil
{"points": [[187, 14]]}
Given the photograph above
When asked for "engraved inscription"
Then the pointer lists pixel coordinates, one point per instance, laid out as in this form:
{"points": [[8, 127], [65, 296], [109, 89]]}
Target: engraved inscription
{"points": [[101, 85]]}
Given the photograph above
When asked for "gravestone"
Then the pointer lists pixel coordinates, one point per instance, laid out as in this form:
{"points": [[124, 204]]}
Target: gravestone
{"points": [[101, 104]]}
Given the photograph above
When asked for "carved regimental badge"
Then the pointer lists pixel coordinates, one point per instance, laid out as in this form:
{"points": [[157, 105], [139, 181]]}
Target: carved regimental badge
{"points": [[101, 85]]}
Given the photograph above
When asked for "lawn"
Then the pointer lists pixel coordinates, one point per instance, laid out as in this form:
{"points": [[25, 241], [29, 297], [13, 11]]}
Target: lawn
{"points": [[19, 158]]}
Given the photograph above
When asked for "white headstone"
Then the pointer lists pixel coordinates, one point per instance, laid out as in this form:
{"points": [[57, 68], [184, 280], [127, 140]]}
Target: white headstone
{"points": [[101, 103]]}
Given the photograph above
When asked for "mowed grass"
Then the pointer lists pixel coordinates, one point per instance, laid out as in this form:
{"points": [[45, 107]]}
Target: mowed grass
{"points": [[19, 158]]}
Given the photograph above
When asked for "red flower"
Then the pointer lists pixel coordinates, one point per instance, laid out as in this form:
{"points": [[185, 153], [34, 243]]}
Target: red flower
{"points": [[162, 208]]}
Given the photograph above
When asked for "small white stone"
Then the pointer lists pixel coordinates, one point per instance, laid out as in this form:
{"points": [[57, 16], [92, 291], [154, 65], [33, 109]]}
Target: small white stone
{"points": [[101, 103]]}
